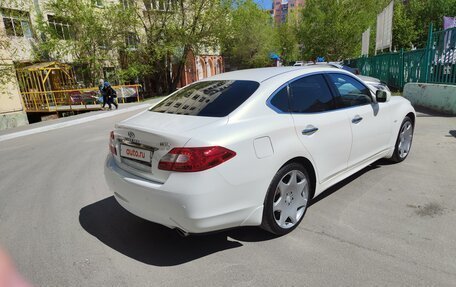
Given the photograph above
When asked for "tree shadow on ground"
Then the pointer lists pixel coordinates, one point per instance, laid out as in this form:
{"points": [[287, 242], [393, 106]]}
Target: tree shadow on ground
{"points": [[155, 244]]}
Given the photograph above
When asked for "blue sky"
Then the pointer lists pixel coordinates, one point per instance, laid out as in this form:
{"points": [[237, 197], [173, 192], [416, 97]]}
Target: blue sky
{"points": [[266, 4]]}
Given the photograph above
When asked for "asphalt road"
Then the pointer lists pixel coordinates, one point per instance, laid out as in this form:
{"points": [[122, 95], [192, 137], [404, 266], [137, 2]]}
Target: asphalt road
{"points": [[387, 225]]}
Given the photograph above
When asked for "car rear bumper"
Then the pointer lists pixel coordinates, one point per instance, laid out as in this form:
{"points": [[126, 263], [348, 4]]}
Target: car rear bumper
{"points": [[194, 202]]}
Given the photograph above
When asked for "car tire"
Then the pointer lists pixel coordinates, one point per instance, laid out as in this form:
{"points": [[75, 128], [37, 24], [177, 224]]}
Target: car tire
{"points": [[404, 141], [287, 199]]}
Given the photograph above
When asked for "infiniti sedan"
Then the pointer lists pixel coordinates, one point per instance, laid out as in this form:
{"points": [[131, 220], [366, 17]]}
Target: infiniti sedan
{"points": [[253, 147]]}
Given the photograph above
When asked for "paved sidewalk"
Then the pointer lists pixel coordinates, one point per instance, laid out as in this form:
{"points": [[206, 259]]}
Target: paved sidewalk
{"points": [[73, 120]]}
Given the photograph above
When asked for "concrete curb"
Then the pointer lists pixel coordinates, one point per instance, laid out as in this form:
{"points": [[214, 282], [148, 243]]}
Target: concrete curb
{"points": [[435, 97]]}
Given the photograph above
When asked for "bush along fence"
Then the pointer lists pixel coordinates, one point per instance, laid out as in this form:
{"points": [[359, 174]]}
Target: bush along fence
{"points": [[434, 64]]}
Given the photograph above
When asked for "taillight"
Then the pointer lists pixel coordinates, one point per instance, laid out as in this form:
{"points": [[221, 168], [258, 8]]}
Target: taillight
{"points": [[112, 144], [195, 158]]}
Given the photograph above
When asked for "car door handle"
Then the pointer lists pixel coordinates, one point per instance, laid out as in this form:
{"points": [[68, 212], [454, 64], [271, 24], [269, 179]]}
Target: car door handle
{"points": [[309, 130], [357, 119]]}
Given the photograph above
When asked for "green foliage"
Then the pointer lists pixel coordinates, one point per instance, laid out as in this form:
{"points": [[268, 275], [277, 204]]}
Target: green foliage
{"points": [[412, 20], [404, 30], [287, 41], [137, 39], [249, 37], [333, 28], [189, 26], [87, 36]]}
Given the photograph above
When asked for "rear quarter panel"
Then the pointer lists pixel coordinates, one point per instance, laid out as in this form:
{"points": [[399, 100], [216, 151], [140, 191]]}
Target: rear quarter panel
{"points": [[252, 174]]}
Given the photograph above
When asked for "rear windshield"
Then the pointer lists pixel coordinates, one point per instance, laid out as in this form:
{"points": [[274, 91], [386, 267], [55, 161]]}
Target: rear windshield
{"points": [[208, 99]]}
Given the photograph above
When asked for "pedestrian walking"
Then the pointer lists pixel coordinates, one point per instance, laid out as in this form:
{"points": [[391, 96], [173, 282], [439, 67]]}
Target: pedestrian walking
{"points": [[103, 93], [111, 95]]}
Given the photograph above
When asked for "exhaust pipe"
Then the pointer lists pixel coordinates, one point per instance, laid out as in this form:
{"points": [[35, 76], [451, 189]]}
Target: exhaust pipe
{"points": [[181, 232]]}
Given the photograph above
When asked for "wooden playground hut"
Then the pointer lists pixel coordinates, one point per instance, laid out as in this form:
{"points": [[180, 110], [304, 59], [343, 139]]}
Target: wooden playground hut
{"points": [[46, 85], [51, 87]]}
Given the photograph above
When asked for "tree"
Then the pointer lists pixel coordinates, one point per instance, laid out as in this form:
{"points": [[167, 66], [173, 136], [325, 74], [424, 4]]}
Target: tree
{"points": [[171, 32], [83, 33], [249, 38], [405, 33], [412, 20], [333, 28], [286, 39]]}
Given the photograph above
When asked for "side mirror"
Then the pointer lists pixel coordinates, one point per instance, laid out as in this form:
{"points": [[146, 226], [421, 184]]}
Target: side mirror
{"points": [[382, 96]]}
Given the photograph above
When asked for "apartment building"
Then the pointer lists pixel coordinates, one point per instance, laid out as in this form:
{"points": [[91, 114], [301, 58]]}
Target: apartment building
{"points": [[281, 8], [19, 38], [16, 42]]}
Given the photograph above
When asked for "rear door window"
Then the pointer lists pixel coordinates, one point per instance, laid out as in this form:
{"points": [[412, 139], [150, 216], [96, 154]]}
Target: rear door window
{"points": [[208, 99]]}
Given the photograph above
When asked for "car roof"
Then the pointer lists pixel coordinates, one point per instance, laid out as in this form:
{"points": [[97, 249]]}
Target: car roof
{"points": [[263, 74]]}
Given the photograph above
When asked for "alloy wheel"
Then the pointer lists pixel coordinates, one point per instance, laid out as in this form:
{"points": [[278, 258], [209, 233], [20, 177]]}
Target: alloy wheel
{"points": [[405, 139], [290, 199]]}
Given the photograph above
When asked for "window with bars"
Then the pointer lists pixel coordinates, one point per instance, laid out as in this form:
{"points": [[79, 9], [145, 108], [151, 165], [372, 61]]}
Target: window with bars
{"points": [[132, 41], [99, 3], [17, 23], [127, 4], [161, 5], [61, 28]]}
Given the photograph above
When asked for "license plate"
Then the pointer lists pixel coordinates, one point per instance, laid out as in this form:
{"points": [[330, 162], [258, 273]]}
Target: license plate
{"points": [[135, 153]]}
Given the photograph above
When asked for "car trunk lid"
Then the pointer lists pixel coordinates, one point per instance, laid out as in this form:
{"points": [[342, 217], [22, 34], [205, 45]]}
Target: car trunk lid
{"points": [[143, 140]]}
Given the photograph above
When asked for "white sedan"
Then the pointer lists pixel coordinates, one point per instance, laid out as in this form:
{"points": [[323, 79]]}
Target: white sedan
{"points": [[252, 147]]}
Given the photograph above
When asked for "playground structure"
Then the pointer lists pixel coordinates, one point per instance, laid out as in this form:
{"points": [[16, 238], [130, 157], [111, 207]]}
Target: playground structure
{"points": [[51, 87]]}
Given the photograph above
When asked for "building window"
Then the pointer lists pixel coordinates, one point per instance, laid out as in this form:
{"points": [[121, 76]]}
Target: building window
{"points": [[17, 23], [127, 4], [97, 3], [132, 41], [61, 28], [161, 5]]}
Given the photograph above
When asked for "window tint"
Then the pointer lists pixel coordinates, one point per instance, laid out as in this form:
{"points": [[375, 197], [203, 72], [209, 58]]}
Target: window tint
{"points": [[280, 100], [208, 99], [352, 93], [311, 95]]}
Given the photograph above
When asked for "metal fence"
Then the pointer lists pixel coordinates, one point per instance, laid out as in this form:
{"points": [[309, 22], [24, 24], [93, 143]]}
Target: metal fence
{"points": [[443, 57], [434, 64]]}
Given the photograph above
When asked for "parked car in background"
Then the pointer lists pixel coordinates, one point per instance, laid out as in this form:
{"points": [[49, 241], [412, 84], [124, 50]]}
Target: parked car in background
{"points": [[253, 147], [371, 81], [375, 83]]}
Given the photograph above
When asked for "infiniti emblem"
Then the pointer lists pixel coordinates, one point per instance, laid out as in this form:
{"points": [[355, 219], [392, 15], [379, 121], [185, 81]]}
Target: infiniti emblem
{"points": [[131, 134]]}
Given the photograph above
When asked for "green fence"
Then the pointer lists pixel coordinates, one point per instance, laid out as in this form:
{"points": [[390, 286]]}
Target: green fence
{"points": [[443, 57], [434, 64]]}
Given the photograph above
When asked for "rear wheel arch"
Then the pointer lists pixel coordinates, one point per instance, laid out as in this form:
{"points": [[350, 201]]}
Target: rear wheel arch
{"points": [[309, 168], [412, 118]]}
